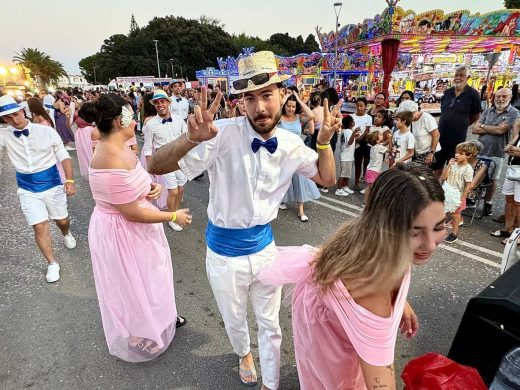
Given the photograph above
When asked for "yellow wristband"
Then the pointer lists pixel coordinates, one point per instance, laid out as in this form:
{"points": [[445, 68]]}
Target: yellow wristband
{"points": [[69, 181], [320, 146], [174, 216]]}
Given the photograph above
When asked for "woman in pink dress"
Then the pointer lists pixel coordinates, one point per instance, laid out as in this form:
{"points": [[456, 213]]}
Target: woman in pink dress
{"points": [[86, 116], [349, 298], [130, 254]]}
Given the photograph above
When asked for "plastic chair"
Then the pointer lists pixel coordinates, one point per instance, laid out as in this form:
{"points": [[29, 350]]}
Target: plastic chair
{"points": [[480, 192]]}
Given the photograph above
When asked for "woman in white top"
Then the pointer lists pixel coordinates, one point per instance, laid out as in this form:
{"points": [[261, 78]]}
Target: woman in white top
{"points": [[363, 121]]}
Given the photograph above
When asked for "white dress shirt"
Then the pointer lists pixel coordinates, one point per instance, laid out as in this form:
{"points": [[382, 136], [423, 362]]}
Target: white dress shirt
{"points": [[180, 108], [157, 134], [42, 149], [247, 188]]}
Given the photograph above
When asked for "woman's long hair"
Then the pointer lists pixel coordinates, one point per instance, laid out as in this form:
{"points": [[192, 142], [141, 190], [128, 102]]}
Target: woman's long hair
{"points": [[372, 252], [36, 107]]}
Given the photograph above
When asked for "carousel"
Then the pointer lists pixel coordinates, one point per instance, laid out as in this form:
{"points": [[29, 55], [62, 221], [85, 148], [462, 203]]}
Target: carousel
{"points": [[400, 50]]}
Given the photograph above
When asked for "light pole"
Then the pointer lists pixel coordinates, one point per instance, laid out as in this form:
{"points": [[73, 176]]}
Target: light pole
{"points": [[157, 54], [95, 78], [337, 10], [171, 63]]}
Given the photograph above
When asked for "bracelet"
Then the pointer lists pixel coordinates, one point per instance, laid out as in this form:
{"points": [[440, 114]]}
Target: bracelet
{"points": [[174, 216], [322, 146], [190, 141], [69, 181]]}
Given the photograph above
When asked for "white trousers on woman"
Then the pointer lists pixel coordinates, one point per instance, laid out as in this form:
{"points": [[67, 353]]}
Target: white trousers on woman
{"points": [[232, 280]]}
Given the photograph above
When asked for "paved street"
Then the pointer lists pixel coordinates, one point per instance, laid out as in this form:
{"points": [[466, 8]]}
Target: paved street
{"points": [[51, 335]]}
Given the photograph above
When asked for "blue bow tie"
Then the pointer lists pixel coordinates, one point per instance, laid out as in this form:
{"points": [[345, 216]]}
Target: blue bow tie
{"points": [[166, 120], [25, 132], [178, 100], [271, 144]]}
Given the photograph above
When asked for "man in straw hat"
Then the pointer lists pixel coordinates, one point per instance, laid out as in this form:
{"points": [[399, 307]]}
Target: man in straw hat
{"points": [[179, 105], [250, 163], [34, 151], [160, 130]]}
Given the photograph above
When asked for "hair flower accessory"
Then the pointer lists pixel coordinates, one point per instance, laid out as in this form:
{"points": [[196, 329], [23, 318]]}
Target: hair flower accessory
{"points": [[126, 117]]}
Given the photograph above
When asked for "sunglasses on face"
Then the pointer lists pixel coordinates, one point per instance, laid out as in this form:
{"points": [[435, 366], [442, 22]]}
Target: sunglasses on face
{"points": [[258, 79]]}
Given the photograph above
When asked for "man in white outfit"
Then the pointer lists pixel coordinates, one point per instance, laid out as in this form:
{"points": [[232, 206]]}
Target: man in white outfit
{"points": [[179, 105], [34, 151], [48, 103], [160, 130], [250, 163]]}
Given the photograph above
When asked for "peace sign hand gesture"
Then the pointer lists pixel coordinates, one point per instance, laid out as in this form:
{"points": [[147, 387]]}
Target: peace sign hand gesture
{"points": [[331, 122], [200, 123]]}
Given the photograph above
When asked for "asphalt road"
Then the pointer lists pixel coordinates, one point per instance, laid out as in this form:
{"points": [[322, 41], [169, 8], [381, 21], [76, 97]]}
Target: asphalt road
{"points": [[51, 335]]}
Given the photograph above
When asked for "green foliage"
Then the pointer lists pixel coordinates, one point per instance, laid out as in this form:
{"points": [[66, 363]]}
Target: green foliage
{"points": [[191, 44], [42, 67], [512, 4]]}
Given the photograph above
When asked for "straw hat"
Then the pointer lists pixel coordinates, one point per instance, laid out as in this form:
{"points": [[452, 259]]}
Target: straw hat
{"points": [[257, 71], [160, 94], [8, 105]]}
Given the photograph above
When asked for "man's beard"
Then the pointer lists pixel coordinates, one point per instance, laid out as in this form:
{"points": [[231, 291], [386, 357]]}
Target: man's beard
{"points": [[265, 130], [501, 106]]}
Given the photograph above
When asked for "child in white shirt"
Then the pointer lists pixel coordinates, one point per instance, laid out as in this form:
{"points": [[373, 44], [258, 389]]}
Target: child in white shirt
{"points": [[403, 140], [348, 144], [376, 140]]}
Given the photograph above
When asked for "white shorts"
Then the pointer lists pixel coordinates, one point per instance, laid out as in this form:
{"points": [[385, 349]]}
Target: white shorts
{"points": [[346, 169], [38, 207], [174, 179]]}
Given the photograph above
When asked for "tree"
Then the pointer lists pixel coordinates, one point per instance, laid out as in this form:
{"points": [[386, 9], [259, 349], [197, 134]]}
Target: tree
{"points": [[310, 45], [42, 67], [134, 27], [512, 4]]}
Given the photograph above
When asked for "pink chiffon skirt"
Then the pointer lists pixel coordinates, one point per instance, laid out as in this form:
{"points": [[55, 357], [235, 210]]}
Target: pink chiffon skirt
{"points": [[84, 149], [134, 282]]}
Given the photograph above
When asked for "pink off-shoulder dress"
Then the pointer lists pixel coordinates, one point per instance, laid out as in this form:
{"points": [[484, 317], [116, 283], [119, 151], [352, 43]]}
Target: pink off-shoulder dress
{"points": [[132, 266], [331, 331]]}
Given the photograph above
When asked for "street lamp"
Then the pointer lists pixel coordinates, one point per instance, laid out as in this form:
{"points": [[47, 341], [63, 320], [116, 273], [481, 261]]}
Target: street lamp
{"points": [[157, 54], [95, 78], [337, 10], [171, 63]]}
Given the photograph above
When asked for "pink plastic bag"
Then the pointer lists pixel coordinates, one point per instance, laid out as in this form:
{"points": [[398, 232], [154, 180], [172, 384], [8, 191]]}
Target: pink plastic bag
{"points": [[436, 372]]}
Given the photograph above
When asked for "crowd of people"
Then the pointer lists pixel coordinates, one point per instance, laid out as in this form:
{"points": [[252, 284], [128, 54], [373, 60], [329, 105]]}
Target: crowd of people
{"points": [[262, 147]]}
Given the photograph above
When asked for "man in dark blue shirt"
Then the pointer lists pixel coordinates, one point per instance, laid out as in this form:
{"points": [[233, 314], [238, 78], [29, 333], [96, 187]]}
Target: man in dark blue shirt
{"points": [[460, 107]]}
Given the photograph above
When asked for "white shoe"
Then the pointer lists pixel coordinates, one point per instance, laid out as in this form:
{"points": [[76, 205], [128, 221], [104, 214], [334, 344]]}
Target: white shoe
{"points": [[348, 190], [70, 241], [53, 272], [362, 191], [341, 192], [175, 227], [324, 190], [282, 206], [304, 218], [69, 148]]}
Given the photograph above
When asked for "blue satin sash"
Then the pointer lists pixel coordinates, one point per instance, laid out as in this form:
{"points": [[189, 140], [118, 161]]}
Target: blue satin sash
{"points": [[39, 181], [238, 242]]}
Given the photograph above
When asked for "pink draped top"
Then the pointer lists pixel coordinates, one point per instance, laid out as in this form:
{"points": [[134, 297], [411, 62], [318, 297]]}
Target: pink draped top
{"points": [[331, 331]]}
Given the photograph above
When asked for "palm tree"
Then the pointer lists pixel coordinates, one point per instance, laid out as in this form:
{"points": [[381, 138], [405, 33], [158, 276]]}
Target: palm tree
{"points": [[43, 68]]}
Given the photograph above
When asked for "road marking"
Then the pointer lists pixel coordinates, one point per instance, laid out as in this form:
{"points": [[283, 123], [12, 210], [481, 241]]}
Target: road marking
{"points": [[443, 246], [471, 256]]}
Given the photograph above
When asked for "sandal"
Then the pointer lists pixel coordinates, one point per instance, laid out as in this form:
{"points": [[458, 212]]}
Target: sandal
{"points": [[500, 233], [242, 374], [145, 347], [303, 217], [181, 321]]}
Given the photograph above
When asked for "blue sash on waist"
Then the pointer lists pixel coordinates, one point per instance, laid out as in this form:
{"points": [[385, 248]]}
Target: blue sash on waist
{"points": [[49, 106], [39, 181], [238, 242]]}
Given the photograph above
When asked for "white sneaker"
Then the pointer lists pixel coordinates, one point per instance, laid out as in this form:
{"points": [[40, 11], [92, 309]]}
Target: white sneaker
{"points": [[282, 206], [70, 241], [324, 189], [341, 192], [348, 190], [362, 191], [53, 272], [69, 148], [175, 227], [303, 218]]}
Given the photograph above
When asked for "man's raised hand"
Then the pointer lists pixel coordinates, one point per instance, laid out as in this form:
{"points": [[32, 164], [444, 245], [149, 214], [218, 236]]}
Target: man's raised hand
{"points": [[200, 123], [331, 122]]}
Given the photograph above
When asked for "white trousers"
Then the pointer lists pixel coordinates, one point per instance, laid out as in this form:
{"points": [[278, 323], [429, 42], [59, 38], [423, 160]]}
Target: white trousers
{"points": [[232, 280]]}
